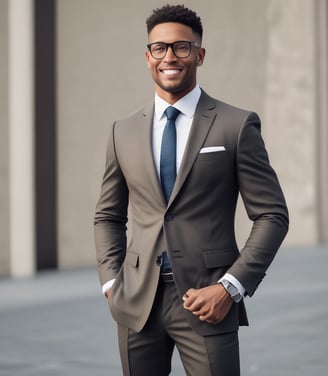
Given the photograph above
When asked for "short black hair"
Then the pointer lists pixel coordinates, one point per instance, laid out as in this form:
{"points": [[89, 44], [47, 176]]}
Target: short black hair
{"points": [[175, 13]]}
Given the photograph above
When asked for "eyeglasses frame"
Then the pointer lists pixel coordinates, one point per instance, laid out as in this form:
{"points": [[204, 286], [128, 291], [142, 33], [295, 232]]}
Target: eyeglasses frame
{"points": [[167, 45]]}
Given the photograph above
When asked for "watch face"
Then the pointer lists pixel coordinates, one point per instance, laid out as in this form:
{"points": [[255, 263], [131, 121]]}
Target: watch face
{"points": [[234, 293], [232, 289]]}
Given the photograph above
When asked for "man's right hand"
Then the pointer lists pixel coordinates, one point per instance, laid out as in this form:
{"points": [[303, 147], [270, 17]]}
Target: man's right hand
{"points": [[210, 304]]}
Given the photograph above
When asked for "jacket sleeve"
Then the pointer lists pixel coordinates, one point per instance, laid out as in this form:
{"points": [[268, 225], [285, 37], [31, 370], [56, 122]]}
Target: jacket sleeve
{"points": [[111, 217], [264, 203]]}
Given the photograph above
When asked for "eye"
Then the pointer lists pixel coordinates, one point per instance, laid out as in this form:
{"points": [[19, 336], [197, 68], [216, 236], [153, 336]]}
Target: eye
{"points": [[158, 48], [182, 47]]}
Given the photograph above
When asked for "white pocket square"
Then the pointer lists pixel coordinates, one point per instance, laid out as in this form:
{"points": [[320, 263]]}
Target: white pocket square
{"points": [[212, 149]]}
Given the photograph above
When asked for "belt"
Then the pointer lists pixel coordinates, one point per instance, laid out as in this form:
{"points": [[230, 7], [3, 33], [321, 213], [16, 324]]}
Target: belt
{"points": [[167, 277]]}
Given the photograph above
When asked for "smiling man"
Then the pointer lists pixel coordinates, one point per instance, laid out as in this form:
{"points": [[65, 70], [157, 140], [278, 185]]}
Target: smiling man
{"points": [[180, 163], [174, 53]]}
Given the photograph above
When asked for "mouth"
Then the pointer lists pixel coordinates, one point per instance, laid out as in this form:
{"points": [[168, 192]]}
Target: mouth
{"points": [[169, 72]]}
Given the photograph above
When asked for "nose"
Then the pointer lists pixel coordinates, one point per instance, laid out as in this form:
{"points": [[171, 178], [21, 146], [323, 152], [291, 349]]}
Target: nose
{"points": [[169, 54]]}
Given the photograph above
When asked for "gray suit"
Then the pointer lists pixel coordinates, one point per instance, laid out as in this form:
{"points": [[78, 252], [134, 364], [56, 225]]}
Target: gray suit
{"points": [[197, 225]]}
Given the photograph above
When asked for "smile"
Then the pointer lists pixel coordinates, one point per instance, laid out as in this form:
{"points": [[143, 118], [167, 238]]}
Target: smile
{"points": [[170, 72]]}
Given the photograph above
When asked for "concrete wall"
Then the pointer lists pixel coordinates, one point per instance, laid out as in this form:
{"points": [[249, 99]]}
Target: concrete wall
{"points": [[260, 56], [290, 111], [4, 150]]}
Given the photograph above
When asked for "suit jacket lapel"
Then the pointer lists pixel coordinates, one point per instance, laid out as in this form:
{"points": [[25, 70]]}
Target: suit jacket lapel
{"points": [[203, 119], [146, 126]]}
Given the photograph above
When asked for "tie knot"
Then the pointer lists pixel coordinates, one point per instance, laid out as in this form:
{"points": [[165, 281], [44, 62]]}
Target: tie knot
{"points": [[171, 113]]}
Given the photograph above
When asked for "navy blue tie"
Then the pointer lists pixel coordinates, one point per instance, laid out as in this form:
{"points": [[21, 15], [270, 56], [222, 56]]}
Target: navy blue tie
{"points": [[168, 169]]}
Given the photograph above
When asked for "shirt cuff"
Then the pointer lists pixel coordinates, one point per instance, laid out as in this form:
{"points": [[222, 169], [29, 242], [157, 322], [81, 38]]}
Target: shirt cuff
{"points": [[108, 285], [235, 282]]}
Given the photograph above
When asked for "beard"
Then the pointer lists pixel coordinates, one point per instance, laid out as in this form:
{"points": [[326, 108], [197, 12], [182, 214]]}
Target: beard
{"points": [[176, 88]]}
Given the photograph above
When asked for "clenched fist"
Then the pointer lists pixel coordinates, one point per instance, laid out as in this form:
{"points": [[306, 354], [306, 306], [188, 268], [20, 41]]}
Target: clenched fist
{"points": [[210, 304]]}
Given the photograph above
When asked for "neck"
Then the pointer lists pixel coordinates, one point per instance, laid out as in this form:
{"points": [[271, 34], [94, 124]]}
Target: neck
{"points": [[172, 98]]}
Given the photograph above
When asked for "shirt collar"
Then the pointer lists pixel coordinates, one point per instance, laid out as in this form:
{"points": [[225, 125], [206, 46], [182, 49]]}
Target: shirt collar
{"points": [[186, 105]]}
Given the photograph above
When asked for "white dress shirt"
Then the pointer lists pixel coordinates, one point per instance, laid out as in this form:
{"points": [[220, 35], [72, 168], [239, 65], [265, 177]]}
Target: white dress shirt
{"points": [[187, 107]]}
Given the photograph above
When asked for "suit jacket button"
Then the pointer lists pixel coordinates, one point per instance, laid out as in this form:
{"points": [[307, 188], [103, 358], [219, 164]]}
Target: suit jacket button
{"points": [[168, 217]]}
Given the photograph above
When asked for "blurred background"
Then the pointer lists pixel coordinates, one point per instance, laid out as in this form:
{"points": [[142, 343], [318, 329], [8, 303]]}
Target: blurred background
{"points": [[69, 68]]}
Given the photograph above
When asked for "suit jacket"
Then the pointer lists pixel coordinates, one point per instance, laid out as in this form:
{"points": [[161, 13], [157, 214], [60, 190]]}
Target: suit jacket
{"points": [[196, 227]]}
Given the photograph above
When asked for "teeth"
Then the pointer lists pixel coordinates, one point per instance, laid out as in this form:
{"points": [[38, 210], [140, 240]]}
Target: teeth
{"points": [[170, 71]]}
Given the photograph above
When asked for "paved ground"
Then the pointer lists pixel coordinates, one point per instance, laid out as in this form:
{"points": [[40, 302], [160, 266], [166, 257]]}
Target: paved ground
{"points": [[58, 323]]}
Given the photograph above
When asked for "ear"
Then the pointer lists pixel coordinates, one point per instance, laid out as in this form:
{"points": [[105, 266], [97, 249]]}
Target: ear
{"points": [[147, 55], [201, 56]]}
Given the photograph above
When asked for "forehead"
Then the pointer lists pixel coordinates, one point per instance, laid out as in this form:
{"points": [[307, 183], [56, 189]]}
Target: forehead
{"points": [[170, 32]]}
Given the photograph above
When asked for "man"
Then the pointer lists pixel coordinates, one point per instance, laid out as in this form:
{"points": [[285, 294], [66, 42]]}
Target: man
{"points": [[181, 279]]}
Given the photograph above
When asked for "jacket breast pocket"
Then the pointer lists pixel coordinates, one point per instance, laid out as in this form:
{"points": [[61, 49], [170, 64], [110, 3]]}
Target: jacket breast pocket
{"points": [[209, 168], [213, 156]]}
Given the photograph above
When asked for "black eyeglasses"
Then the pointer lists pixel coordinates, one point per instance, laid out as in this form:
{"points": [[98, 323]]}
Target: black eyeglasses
{"points": [[181, 49]]}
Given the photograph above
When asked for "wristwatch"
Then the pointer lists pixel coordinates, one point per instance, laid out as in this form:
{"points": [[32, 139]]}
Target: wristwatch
{"points": [[231, 290]]}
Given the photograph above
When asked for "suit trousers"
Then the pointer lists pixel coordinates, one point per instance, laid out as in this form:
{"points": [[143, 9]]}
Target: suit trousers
{"points": [[149, 352]]}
